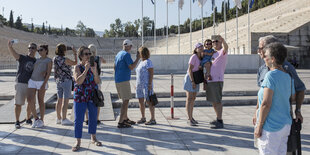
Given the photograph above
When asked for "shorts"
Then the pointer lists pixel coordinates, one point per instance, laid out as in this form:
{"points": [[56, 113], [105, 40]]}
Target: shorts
{"points": [[188, 84], [36, 84], [274, 143], [64, 89], [142, 91], [20, 93], [205, 60], [214, 92], [123, 90]]}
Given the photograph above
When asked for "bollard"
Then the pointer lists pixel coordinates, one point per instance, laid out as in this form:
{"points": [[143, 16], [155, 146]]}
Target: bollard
{"points": [[171, 97]]}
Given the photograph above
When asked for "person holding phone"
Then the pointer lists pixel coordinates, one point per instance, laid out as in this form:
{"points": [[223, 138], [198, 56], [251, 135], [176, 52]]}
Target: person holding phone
{"points": [[123, 65], [86, 80], [63, 78], [25, 68]]}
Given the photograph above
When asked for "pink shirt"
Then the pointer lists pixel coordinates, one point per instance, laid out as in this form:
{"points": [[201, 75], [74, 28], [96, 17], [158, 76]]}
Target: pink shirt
{"points": [[218, 66], [194, 60]]}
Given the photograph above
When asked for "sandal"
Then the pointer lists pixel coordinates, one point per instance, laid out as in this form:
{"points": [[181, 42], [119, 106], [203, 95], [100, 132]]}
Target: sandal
{"points": [[76, 147], [130, 121], [142, 120], [123, 125], [97, 143]]}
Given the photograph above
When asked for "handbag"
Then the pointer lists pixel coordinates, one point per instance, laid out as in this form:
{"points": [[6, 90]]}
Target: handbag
{"points": [[293, 142], [153, 98], [198, 76], [98, 98]]}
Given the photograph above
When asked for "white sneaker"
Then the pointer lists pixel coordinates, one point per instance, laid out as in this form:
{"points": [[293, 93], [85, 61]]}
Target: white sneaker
{"points": [[58, 121], [40, 124], [66, 122], [34, 124]]}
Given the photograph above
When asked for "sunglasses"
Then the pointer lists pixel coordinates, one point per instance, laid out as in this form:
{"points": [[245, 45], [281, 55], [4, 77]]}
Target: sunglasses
{"points": [[208, 43], [31, 48], [87, 54], [215, 41], [40, 50], [259, 48]]}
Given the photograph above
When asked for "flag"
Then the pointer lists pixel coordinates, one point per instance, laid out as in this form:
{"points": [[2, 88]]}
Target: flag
{"points": [[238, 4], [251, 2], [201, 3], [170, 1], [152, 1], [181, 3], [213, 4]]}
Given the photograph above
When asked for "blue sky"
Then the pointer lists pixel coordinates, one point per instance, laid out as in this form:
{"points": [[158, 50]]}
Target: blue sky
{"points": [[99, 14]]}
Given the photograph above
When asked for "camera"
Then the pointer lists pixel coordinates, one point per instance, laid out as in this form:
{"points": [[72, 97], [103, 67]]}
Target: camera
{"points": [[14, 41], [69, 48]]}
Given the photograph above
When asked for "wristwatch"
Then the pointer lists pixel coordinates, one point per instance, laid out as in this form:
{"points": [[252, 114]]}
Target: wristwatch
{"points": [[297, 111]]}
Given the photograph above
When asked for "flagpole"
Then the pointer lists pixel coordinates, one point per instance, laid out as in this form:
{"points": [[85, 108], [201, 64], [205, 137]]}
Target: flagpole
{"points": [[167, 26], [249, 31], [179, 30], [190, 25], [155, 25], [142, 22], [202, 23], [237, 28], [225, 16], [213, 20]]}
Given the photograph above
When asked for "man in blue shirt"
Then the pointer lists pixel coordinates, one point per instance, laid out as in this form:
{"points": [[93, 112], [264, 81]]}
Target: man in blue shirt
{"points": [[299, 85], [123, 65]]}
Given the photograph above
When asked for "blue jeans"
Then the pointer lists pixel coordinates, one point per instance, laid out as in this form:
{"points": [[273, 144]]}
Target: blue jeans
{"points": [[79, 113]]}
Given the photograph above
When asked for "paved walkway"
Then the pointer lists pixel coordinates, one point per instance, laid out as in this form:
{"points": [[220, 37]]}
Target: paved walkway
{"points": [[168, 137]]}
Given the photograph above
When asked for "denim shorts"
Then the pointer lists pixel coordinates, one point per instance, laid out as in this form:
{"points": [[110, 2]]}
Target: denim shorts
{"points": [[188, 85], [64, 89]]}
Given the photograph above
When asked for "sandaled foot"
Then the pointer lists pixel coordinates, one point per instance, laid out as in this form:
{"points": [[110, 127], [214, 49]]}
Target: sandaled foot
{"points": [[76, 147], [97, 143]]}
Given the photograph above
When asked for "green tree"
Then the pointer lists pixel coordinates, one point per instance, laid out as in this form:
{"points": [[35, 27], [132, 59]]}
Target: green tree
{"points": [[80, 28], [32, 27], [49, 29], [118, 28], [89, 32], [18, 23], [11, 20], [43, 28]]}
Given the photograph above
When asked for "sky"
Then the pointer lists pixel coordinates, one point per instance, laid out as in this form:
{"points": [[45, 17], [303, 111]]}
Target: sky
{"points": [[99, 14]]}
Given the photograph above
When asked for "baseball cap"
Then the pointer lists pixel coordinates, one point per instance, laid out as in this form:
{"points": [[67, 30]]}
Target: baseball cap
{"points": [[127, 42], [198, 45]]}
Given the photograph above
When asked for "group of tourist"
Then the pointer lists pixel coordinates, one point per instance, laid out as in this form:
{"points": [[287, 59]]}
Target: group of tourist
{"points": [[278, 81]]}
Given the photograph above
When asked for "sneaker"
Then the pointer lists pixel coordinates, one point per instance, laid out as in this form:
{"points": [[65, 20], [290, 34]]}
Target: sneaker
{"points": [[151, 122], [194, 121], [130, 121], [17, 125], [40, 124], [66, 122], [191, 123], [58, 121], [123, 125], [29, 121], [141, 121], [35, 123], [217, 125]]}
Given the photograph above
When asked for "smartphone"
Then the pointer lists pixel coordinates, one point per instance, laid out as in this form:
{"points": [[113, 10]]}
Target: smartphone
{"points": [[215, 37], [14, 41], [92, 61], [69, 48]]}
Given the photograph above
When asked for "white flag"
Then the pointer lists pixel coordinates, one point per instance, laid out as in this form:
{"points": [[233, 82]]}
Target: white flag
{"points": [[170, 1], [181, 3], [201, 3], [238, 4]]}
